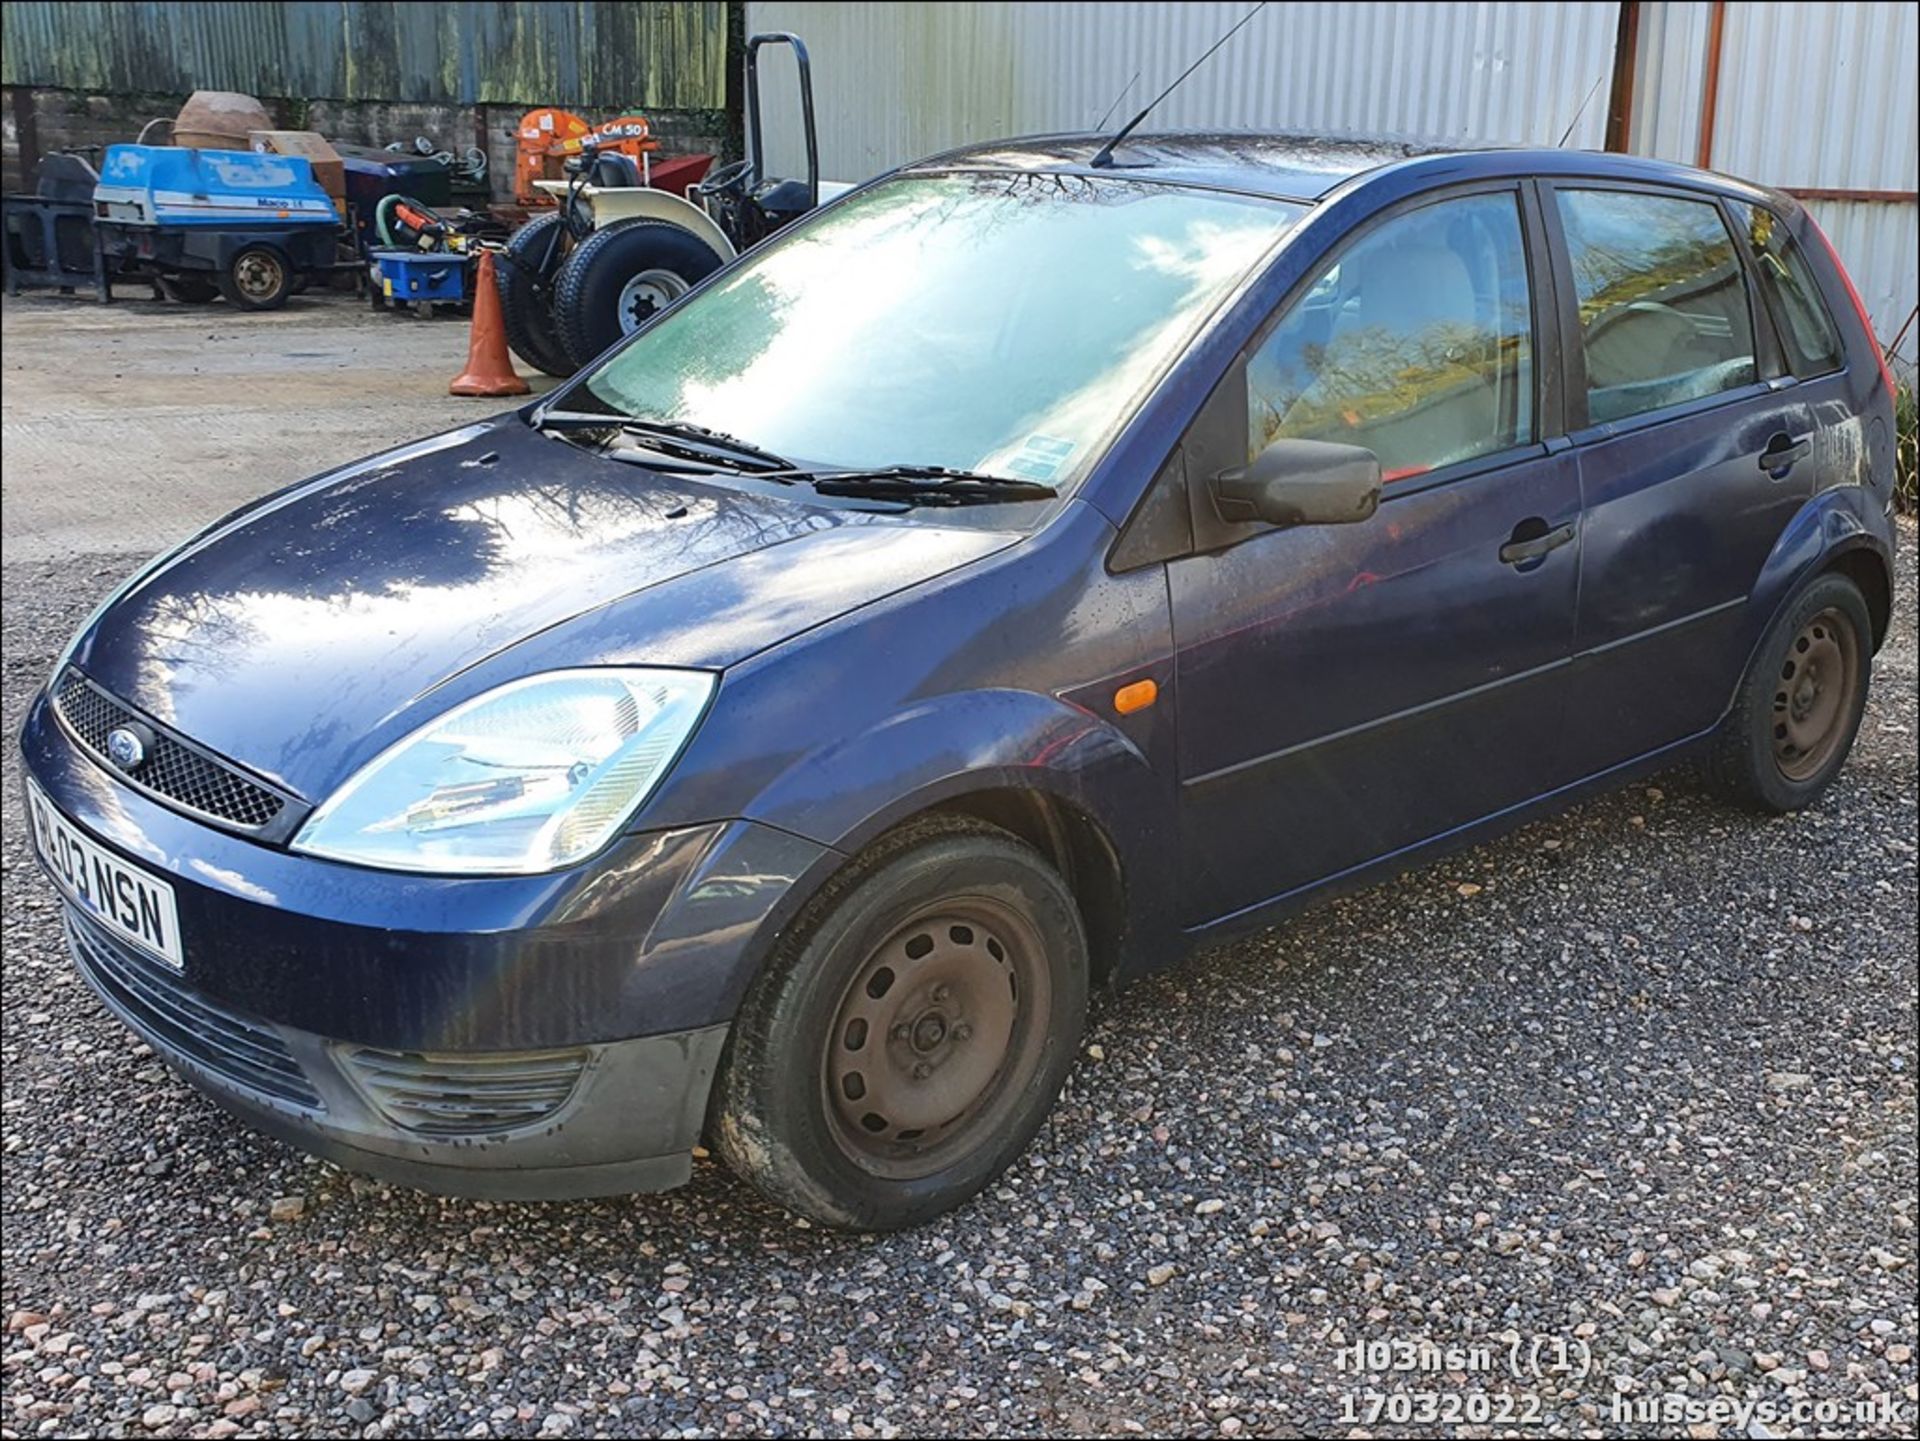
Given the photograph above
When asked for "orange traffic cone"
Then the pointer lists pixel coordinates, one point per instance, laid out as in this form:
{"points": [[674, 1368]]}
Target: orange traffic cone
{"points": [[489, 366]]}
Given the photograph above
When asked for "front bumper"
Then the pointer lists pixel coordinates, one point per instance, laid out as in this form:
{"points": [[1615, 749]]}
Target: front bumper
{"points": [[516, 1037], [594, 1120]]}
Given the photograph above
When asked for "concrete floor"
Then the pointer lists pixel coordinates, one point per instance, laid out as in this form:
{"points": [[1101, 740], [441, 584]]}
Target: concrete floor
{"points": [[137, 423]]}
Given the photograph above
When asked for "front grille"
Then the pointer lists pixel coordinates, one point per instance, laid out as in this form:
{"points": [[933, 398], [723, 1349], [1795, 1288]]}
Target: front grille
{"points": [[441, 1095], [179, 1021], [172, 769]]}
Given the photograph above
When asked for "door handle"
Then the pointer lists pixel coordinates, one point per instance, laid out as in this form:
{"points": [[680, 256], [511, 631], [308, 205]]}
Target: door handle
{"points": [[1519, 552], [1781, 453]]}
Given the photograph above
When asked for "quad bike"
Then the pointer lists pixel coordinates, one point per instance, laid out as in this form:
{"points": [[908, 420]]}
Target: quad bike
{"points": [[617, 250]]}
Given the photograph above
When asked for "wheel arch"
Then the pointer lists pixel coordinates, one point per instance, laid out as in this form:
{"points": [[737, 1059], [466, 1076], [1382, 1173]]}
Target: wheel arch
{"points": [[1051, 818], [1074, 843], [612, 206], [1069, 783], [229, 244], [1868, 569], [1834, 531]]}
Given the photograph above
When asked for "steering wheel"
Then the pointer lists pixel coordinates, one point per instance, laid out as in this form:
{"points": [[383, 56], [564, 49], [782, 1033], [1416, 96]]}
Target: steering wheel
{"points": [[728, 179]]}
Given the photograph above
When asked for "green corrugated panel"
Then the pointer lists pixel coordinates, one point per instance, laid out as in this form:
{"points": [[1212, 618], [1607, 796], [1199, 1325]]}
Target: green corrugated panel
{"points": [[673, 56], [586, 52]]}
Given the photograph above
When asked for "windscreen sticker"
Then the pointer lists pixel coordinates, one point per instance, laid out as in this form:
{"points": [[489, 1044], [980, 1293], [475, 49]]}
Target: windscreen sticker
{"points": [[1041, 457]]}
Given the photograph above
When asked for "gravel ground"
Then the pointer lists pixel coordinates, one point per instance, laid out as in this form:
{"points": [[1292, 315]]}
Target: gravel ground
{"points": [[1638, 1080]]}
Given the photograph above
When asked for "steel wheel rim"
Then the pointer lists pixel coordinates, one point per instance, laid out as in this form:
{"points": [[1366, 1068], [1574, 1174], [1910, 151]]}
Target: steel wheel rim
{"points": [[258, 275], [1814, 697], [936, 1035], [646, 295]]}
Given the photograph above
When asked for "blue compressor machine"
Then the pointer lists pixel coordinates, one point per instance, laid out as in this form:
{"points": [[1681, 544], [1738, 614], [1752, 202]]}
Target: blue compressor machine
{"points": [[247, 226]]}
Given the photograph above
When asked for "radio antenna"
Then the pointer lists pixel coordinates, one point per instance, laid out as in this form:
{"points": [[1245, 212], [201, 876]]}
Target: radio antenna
{"points": [[1105, 158], [1567, 134], [1116, 101]]}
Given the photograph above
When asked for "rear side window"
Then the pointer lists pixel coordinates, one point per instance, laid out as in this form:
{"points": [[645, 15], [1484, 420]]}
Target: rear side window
{"points": [[1792, 295], [1416, 343], [1663, 302]]}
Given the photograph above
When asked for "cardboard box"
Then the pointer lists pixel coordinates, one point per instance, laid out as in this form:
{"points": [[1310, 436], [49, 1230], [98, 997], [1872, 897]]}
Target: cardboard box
{"points": [[328, 169]]}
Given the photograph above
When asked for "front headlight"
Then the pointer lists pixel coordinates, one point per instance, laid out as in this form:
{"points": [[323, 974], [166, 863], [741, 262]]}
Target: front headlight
{"points": [[529, 777]]}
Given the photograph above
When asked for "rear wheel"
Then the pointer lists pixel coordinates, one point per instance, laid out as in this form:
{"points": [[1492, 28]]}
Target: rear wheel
{"points": [[620, 277], [1799, 707], [908, 1040], [524, 305], [257, 278]]}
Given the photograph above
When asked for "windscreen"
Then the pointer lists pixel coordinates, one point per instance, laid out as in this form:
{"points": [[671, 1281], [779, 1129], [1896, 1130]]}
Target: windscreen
{"points": [[1006, 324]]}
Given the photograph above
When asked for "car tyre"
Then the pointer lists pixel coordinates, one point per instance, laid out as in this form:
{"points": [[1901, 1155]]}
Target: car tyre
{"points": [[1800, 704], [524, 305], [619, 277], [911, 1033], [257, 278]]}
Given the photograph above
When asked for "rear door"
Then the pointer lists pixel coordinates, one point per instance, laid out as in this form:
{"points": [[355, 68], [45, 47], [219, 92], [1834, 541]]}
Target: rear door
{"points": [[1693, 451], [1346, 691]]}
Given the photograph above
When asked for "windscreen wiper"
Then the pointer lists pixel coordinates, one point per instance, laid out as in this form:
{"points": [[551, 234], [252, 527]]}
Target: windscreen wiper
{"points": [[672, 437], [919, 485]]}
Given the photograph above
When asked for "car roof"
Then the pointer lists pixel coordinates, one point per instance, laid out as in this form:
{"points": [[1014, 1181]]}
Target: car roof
{"points": [[1302, 166]]}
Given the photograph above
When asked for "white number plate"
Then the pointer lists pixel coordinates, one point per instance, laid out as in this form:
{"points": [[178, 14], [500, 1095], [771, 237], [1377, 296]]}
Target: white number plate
{"points": [[123, 898]]}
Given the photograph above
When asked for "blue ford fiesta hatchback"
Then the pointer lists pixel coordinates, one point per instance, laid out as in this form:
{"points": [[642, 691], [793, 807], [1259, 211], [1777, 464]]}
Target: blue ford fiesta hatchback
{"points": [[1018, 571]]}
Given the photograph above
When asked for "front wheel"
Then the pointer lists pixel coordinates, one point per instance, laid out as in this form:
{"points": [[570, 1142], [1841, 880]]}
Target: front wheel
{"points": [[910, 1037], [620, 277], [1800, 704]]}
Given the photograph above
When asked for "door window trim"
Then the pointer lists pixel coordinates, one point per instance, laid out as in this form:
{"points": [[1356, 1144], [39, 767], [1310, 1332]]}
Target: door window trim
{"points": [[1548, 372], [1581, 430], [1782, 361], [1546, 400]]}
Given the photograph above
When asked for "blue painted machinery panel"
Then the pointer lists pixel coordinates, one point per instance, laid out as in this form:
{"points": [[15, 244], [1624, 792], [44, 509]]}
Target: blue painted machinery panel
{"points": [[171, 185]]}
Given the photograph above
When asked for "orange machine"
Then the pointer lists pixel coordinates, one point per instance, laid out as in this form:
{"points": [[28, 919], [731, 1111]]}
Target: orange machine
{"points": [[549, 136]]}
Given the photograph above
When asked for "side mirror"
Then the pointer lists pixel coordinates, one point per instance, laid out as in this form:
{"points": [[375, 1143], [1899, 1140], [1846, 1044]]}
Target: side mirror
{"points": [[1301, 482]]}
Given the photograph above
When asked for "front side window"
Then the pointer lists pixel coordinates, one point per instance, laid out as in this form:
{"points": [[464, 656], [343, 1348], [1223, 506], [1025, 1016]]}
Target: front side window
{"points": [[1792, 294], [1416, 343], [1004, 323], [1663, 301]]}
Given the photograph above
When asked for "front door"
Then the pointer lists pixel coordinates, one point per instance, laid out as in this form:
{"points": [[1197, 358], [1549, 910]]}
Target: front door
{"points": [[1348, 691]]}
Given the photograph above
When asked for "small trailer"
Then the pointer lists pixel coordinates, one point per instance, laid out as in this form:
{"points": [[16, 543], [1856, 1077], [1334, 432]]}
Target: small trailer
{"points": [[236, 223]]}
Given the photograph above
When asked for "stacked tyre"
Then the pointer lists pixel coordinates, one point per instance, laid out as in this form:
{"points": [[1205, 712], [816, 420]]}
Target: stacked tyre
{"points": [[607, 286]]}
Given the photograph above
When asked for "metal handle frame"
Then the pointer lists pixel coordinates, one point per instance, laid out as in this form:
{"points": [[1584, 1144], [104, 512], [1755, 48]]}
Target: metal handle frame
{"points": [[756, 152]]}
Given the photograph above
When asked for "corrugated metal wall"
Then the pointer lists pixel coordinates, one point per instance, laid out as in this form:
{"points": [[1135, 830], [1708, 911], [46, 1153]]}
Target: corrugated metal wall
{"points": [[591, 53], [1812, 97], [894, 82]]}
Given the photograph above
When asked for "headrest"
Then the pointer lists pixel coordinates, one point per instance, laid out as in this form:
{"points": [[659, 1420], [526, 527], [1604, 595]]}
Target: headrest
{"points": [[1404, 288]]}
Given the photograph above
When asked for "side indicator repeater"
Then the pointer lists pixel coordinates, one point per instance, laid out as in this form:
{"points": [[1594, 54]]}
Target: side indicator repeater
{"points": [[1137, 695]]}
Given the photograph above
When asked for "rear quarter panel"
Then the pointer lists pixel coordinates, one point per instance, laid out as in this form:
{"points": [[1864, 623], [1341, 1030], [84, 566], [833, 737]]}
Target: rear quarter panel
{"points": [[1851, 412]]}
